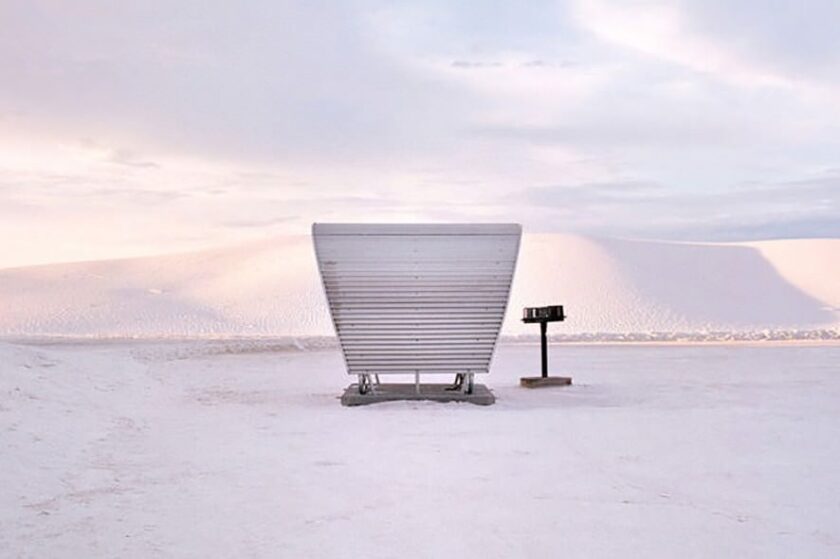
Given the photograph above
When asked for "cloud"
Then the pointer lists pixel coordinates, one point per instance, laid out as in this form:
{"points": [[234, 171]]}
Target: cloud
{"points": [[801, 42], [538, 63], [624, 130], [619, 192], [264, 82], [136, 195], [739, 212], [660, 29], [471, 65], [259, 223], [130, 159], [748, 44]]}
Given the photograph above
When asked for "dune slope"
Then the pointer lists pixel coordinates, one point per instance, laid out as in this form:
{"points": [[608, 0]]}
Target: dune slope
{"points": [[272, 288]]}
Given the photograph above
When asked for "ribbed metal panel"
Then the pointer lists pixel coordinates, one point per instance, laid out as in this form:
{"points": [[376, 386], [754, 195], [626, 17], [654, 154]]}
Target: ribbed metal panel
{"points": [[418, 298]]}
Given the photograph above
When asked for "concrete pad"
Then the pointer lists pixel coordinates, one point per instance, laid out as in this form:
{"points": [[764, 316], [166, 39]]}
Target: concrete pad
{"points": [[540, 382], [390, 392]]}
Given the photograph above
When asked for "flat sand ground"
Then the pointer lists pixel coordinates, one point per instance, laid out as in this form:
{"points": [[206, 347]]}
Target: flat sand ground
{"points": [[197, 449]]}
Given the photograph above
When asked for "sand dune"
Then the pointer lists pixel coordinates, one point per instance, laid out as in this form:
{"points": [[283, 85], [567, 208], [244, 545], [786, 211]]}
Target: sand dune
{"points": [[272, 288]]}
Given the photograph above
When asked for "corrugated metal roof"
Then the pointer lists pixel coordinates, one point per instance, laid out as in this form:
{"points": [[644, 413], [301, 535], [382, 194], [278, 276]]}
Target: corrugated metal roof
{"points": [[417, 298]]}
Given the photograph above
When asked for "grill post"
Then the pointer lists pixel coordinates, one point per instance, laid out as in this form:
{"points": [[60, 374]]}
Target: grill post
{"points": [[544, 347]]}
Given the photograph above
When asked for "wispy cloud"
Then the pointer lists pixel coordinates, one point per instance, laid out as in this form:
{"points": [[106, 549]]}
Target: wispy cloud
{"points": [[472, 65], [130, 159], [259, 223], [740, 212], [660, 29]]}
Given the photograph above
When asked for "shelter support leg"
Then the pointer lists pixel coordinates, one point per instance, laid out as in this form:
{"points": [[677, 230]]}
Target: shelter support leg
{"points": [[468, 380], [459, 382], [364, 384]]}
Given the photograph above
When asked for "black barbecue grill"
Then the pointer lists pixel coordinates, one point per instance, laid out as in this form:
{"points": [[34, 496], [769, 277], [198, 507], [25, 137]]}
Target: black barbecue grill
{"points": [[544, 315]]}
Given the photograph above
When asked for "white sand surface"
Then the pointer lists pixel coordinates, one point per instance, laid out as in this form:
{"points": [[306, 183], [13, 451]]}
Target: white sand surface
{"points": [[235, 449], [272, 288]]}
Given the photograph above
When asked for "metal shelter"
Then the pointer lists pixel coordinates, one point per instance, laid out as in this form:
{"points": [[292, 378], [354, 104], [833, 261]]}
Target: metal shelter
{"points": [[417, 299]]}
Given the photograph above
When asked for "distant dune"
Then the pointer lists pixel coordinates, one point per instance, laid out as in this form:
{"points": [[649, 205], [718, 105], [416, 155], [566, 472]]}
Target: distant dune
{"points": [[272, 288]]}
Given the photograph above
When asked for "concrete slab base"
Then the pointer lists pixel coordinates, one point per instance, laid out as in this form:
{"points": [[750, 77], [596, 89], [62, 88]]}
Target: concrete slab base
{"points": [[391, 392], [540, 382]]}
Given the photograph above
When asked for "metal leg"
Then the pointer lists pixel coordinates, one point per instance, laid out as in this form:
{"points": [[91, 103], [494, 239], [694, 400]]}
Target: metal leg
{"points": [[417, 382], [469, 383], [459, 382], [364, 384]]}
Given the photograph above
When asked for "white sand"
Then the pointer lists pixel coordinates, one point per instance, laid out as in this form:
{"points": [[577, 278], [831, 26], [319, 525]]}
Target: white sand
{"points": [[272, 288], [197, 449]]}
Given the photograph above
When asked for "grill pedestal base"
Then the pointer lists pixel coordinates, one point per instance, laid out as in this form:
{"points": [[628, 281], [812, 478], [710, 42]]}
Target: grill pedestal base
{"points": [[539, 382]]}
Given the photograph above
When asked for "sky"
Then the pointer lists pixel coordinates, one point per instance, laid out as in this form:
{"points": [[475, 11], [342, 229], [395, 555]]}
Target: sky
{"points": [[142, 128]]}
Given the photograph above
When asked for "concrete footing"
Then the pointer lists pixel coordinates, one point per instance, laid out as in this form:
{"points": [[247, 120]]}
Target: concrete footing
{"points": [[540, 382], [390, 392]]}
